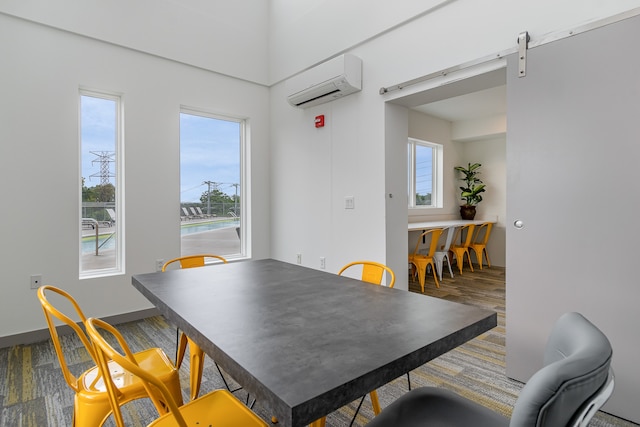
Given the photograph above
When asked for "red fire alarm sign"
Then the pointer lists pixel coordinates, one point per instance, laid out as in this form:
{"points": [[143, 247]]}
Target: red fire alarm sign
{"points": [[319, 121]]}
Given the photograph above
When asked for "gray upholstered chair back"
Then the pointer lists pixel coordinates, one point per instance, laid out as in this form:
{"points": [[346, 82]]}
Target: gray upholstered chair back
{"points": [[577, 359]]}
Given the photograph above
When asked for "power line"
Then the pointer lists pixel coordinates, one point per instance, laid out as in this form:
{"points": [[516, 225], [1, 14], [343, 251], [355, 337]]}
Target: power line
{"points": [[192, 188]]}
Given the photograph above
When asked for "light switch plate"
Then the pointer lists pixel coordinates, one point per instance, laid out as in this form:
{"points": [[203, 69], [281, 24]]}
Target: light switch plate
{"points": [[349, 202]]}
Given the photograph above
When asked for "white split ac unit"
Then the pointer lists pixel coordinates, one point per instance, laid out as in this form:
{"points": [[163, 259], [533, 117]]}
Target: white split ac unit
{"points": [[326, 82]]}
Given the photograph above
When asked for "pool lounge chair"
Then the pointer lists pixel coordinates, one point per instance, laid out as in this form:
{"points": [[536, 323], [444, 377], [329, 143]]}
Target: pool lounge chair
{"points": [[203, 215], [112, 216], [186, 215]]}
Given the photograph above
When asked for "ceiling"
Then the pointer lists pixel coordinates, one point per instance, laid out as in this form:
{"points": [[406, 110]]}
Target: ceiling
{"points": [[470, 106]]}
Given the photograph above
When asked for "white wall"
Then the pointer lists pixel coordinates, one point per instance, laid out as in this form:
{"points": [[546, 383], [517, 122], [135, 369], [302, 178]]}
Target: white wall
{"points": [[229, 37], [437, 33], [491, 153], [307, 32], [315, 169], [396, 129], [42, 69], [481, 128]]}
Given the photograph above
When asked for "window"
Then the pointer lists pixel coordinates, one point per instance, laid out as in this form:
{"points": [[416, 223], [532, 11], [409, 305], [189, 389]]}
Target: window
{"points": [[212, 211], [425, 174], [101, 238]]}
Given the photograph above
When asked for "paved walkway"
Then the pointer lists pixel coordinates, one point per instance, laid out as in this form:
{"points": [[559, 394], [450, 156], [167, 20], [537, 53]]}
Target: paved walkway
{"points": [[222, 241]]}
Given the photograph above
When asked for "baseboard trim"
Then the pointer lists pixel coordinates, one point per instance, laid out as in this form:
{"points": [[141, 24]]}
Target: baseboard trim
{"points": [[39, 335]]}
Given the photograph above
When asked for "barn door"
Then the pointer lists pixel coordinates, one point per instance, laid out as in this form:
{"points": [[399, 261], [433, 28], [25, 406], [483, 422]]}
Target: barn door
{"points": [[573, 199]]}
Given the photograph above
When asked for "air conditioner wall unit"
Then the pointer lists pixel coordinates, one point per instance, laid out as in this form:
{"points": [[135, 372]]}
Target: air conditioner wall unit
{"points": [[326, 82]]}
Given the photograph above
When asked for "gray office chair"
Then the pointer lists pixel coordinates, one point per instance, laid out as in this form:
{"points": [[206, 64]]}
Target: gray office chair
{"points": [[574, 383]]}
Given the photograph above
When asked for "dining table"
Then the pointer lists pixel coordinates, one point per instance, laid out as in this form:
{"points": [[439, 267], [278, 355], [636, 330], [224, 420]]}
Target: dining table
{"points": [[426, 225], [305, 342]]}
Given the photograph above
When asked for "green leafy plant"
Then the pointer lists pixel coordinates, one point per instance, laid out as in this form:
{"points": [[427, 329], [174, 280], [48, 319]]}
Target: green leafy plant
{"points": [[470, 193]]}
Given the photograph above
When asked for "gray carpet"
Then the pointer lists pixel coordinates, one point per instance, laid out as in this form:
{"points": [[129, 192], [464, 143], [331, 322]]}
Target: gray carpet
{"points": [[33, 391]]}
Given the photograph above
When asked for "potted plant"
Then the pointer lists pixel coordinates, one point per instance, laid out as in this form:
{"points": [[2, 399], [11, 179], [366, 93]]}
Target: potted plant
{"points": [[470, 193]]}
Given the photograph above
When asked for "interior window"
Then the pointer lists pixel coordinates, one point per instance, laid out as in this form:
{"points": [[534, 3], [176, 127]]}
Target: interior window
{"points": [[211, 186]]}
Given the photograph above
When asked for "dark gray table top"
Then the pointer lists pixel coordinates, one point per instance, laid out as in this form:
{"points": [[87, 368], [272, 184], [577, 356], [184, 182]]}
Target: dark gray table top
{"points": [[306, 342]]}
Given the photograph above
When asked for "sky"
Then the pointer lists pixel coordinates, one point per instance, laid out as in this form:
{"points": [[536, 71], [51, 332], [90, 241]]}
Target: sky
{"points": [[209, 151], [424, 168], [209, 148], [98, 134]]}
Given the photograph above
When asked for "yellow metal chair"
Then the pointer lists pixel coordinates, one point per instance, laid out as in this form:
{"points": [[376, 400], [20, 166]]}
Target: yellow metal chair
{"points": [[420, 261], [190, 261], [372, 272], [480, 240], [218, 408], [461, 245], [196, 354], [91, 402]]}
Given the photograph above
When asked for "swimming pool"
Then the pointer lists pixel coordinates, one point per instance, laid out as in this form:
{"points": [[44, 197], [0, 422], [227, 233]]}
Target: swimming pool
{"points": [[208, 226], [105, 242]]}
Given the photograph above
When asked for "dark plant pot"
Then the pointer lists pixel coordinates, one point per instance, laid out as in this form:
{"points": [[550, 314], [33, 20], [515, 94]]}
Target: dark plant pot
{"points": [[467, 212]]}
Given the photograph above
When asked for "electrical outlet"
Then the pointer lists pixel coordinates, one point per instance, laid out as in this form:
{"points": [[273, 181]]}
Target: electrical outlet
{"points": [[323, 263], [299, 258], [349, 202], [159, 264], [36, 281]]}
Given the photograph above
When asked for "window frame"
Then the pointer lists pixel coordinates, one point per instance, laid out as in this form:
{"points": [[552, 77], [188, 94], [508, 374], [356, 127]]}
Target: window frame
{"points": [[437, 174], [119, 267], [245, 233]]}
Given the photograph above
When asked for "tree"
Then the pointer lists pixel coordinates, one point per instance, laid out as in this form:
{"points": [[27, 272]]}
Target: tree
{"points": [[99, 193], [423, 199], [218, 201]]}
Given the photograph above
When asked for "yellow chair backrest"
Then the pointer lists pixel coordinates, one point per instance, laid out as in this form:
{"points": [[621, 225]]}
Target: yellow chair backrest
{"points": [[481, 238], [372, 272], [49, 312], [433, 244], [157, 390], [191, 261], [467, 237]]}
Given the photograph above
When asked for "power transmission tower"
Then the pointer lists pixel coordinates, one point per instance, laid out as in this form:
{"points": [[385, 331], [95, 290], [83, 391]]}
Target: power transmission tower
{"points": [[104, 158]]}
